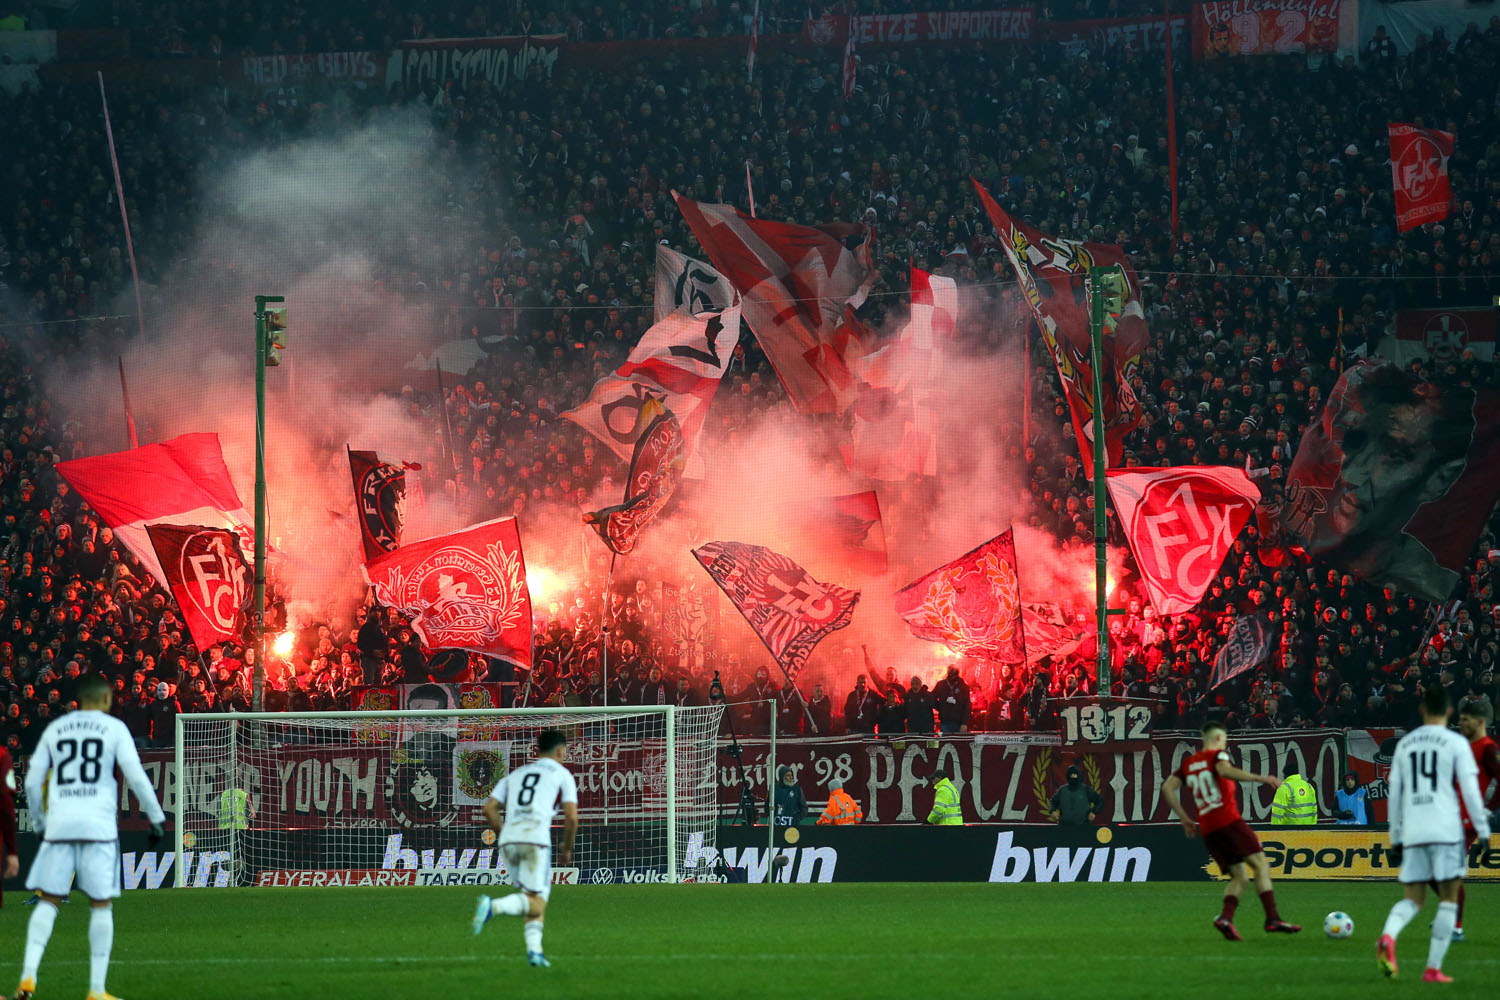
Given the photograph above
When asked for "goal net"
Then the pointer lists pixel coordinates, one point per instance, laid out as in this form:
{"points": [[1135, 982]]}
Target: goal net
{"points": [[393, 798]]}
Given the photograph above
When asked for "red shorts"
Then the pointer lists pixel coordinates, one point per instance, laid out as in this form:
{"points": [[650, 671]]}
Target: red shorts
{"points": [[1229, 845]]}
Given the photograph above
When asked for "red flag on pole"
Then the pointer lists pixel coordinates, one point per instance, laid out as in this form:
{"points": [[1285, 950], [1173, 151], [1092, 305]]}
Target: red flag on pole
{"points": [[466, 590], [1181, 523], [849, 59], [796, 285], [972, 605], [655, 473], [789, 610], [1054, 277], [181, 481], [1419, 173], [208, 575]]}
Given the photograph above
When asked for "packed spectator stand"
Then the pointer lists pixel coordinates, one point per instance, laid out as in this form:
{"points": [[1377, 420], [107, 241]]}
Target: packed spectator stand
{"points": [[1287, 265]]}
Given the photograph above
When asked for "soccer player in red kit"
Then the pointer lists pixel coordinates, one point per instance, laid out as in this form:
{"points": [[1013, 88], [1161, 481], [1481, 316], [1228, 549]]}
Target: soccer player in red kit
{"points": [[1210, 779], [8, 845], [1473, 722]]}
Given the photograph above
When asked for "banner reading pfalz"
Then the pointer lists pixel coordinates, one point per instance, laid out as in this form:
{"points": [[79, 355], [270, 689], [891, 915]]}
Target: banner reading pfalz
{"points": [[1265, 27]]}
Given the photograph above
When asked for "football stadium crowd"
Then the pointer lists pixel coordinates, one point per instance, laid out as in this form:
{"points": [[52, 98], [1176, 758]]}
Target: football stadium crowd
{"points": [[1287, 267]]}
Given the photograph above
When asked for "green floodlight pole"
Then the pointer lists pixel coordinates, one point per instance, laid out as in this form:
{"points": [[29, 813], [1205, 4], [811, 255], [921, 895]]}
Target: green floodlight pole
{"points": [[262, 340], [1106, 296]]}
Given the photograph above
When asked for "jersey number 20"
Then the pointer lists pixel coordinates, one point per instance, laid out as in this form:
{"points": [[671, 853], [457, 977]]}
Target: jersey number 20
{"points": [[89, 767], [1205, 788]]}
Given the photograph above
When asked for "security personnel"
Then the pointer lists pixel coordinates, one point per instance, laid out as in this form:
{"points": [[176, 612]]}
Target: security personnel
{"points": [[234, 809], [841, 809], [945, 808], [1296, 802]]}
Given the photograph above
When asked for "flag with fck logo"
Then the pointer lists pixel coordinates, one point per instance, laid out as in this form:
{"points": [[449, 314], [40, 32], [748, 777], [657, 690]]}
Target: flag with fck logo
{"points": [[1181, 523], [1419, 173], [789, 610], [208, 575], [680, 360]]}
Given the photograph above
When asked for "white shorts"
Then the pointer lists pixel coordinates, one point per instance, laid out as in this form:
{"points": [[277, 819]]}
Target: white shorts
{"points": [[94, 865], [1433, 863], [529, 868]]}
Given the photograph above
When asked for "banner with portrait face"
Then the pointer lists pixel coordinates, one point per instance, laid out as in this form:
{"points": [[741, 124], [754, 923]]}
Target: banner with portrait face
{"points": [[1394, 480]]}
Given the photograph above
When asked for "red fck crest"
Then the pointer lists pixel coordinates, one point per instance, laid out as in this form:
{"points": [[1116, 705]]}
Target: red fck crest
{"points": [[1181, 524], [1419, 174], [208, 576]]}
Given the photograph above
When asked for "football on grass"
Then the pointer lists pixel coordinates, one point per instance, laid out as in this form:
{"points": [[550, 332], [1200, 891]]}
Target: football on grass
{"points": [[1338, 925]]}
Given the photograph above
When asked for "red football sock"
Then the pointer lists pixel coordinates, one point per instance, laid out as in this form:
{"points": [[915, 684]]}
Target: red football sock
{"points": [[1458, 924], [1231, 903], [1268, 900]]}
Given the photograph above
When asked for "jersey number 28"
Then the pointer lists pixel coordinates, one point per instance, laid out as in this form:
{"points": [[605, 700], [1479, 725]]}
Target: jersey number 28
{"points": [[89, 766]]}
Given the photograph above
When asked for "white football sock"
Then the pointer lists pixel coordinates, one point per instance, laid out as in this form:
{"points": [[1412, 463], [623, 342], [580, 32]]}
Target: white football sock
{"points": [[533, 934], [1442, 933], [38, 933], [514, 905], [1401, 915], [101, 940]]}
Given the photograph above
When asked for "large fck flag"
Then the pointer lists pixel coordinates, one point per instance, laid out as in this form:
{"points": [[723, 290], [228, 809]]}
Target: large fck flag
{"points": [[972, 605], [466, 590], [208, 575], [1054, 276], [680, 360], [796, 285], [789, 610], [181, 481], [655, 472], [1394, 480], [1419, 174], [1181, 523]]}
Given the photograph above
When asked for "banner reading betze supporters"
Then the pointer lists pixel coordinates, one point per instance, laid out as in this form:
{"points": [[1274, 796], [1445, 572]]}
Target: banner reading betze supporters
{"points": [[1265, 27], [1395, 478], [1014, 25]]}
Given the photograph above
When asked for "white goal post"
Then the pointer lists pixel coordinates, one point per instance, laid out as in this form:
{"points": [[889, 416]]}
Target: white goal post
{"points": [[276, 798]]}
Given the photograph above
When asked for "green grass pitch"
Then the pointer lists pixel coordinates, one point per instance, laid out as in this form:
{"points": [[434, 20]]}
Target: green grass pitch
{"points": [[825, 941]]}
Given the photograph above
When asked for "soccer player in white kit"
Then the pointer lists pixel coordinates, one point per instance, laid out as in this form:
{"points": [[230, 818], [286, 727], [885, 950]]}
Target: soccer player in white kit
{"points": [[71, 778], [529, 797], [1432, 765]]}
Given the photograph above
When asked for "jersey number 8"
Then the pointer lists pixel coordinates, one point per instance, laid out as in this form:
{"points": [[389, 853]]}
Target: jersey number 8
{"points": [[528, 789]]}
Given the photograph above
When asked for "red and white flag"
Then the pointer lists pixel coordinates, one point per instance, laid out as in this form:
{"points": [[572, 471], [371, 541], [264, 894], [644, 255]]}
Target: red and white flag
{"points": [[208, 575], [972, 605], [843, 530], [181, 481], [797, 286], [379, 500], [1419, 174], [655, 472], [1181, 523], [679, 361], [789, 610], [1054, 276], [895, 432], [466, 590]]}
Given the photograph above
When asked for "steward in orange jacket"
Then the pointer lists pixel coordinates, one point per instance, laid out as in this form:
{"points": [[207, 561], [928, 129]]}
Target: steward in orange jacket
{"points": [[841, 810]]}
